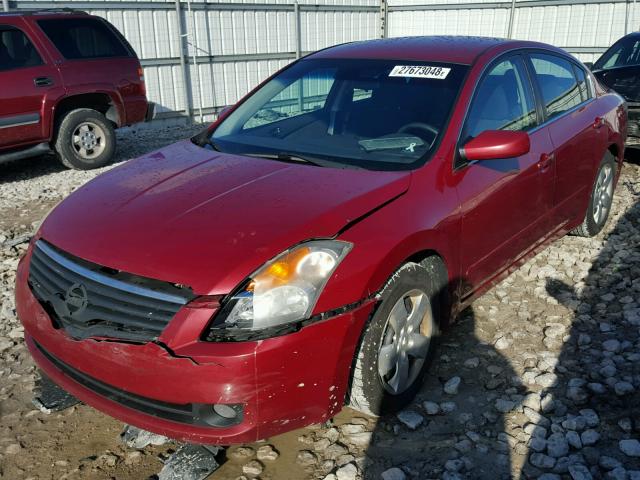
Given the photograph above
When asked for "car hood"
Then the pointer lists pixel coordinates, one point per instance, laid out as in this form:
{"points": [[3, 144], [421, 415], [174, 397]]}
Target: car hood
{"points": [[206, 219], [623, 80]]}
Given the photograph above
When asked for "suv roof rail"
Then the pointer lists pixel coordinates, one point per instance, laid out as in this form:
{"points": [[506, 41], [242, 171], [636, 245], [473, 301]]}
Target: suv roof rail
{"points": [[40, 11]]}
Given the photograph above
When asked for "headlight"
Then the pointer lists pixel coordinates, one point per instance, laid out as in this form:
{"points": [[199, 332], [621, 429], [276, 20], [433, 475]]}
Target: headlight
{"points": [[285, 289]]}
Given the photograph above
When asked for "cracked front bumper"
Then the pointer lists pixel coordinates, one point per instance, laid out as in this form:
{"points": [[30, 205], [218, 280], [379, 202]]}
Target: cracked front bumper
{"points": [[282, 383]]}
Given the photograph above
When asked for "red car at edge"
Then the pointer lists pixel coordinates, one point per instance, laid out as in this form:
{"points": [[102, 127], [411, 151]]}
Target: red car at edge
{"points": [[305, 251]]}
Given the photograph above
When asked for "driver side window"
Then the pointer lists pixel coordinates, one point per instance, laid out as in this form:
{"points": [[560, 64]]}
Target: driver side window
{"points": [[503, 101]]}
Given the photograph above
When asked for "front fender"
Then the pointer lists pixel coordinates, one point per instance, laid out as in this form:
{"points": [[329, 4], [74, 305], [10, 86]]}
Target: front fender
{"points": [[388, 238]]}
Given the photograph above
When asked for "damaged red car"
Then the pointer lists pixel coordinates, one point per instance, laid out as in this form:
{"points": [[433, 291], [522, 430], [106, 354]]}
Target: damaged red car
{"points": [[305, 251]]}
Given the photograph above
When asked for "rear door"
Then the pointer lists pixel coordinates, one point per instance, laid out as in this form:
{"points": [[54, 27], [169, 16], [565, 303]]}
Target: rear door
{"points": [[93, 56], [572, 119], [505, 203], [26, 78]]}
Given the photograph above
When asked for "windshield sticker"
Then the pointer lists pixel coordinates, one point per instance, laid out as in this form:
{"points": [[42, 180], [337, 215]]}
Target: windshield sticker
{"points": [[420, 71]]}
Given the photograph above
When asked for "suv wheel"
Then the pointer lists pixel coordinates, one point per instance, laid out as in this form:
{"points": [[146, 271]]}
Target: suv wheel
{"points": [[397, 346], [601, 199], [85, 139]]}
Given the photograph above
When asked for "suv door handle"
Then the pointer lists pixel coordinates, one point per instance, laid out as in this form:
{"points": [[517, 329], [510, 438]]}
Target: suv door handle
{"points": [[42, 81], [546, 159]]}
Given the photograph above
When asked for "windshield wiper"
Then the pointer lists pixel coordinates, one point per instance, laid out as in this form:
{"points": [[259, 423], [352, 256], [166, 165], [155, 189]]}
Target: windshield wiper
{"points": [[285, 157], [209, 143], [204, 140]]}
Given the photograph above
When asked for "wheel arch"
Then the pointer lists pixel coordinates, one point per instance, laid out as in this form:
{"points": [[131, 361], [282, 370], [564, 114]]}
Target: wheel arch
{"points": [[100, 101], [614, 150], [435, 262], [420, 248], [618, 154]]}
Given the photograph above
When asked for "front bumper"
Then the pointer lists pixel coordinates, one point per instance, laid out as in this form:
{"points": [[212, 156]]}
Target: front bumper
{"points": [[283, 383]]}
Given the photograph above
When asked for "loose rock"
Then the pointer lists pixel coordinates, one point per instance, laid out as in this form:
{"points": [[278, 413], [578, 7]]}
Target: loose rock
{"points": [[630, 448]]}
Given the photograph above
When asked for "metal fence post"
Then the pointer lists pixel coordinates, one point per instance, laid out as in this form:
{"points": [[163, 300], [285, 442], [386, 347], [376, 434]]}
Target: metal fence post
{"points": [[183, 63], [298, 39], [297, 29], [384, 17], [512, 14], [5, 5], [194, 57], [626, 17]]}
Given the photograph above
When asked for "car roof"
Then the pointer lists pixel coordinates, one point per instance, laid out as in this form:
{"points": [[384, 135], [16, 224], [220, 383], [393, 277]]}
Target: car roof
{"points": [[45, 13], [447, 49]]}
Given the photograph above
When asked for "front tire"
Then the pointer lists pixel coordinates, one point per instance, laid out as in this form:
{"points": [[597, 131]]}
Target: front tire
{"points": [[397, 345], [601, 199], [85, 140]]}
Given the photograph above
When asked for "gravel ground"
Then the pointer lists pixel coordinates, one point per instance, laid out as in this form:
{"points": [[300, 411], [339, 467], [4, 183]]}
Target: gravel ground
{"points": [[539, 379]]}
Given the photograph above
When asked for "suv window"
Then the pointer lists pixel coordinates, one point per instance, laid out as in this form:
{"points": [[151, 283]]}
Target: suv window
{"points": [[16, 50], [503, 100], [557, 82], [80, 38]]}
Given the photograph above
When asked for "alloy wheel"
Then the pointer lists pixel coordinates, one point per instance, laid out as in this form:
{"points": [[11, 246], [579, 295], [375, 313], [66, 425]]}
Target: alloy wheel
{"points": [[88, 140], [405, 341], [603, 194]]}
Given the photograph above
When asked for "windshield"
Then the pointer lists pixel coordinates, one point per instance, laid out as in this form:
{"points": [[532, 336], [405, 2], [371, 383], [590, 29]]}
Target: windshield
{"points": [[624, 53], [374, 114]]}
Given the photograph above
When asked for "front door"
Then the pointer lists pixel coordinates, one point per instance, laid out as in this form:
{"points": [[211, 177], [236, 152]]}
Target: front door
{"points": [[506, 203], [25, 80]]}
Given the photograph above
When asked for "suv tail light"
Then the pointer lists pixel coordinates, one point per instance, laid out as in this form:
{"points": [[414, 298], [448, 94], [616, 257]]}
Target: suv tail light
{"points": [[143, 86]]}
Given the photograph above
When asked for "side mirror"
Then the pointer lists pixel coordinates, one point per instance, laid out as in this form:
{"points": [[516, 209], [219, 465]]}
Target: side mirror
{"points": [[496, 144], [589, 65]]}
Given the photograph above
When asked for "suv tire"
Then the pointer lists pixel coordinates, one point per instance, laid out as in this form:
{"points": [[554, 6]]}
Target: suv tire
{"points": [[85, 139], [372, 388], [601, 199]]}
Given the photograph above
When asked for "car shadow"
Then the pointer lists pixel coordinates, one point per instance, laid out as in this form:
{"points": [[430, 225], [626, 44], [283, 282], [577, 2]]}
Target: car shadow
{"points": [[30, 168], [500, 426], [465, 433], [597, 389]]}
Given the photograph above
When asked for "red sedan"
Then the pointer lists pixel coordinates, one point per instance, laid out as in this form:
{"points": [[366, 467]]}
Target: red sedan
{"points": [[304, 252]]}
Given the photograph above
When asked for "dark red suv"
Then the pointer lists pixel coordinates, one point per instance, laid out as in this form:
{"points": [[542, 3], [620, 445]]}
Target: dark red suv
{"points": [[67, 80]]}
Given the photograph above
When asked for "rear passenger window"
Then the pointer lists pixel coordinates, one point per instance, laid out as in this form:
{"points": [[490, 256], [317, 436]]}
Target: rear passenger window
{"points": [[503, 101], [16, 50], [80, 38], [558, 84]]}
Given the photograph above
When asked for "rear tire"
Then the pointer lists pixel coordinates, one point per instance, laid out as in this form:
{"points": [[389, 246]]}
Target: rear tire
{"points": [[397, 346], [85, 140], [601, 199]]}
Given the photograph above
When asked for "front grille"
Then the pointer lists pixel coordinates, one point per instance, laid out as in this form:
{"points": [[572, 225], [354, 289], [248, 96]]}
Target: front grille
{"points": [[189, 413], [88, 300]]}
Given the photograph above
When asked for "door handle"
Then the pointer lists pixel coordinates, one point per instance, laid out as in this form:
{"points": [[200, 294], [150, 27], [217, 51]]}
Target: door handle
{"points": [[42, 81], [598, 122], [546, 159]]}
